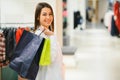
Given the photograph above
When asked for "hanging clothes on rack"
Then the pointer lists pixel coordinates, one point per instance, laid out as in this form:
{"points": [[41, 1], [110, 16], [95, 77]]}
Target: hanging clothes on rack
{"points": [[7, 46], [19, 32], [117, 14], [2, 49], [4, 62], [10, 42]]}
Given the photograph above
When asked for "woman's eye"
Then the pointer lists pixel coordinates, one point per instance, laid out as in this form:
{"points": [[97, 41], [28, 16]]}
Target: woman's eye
{"points": [[44, 14]]}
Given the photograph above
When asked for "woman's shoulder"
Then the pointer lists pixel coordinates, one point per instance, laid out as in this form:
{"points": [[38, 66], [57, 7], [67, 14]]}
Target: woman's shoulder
{"points": [[37, 31]]}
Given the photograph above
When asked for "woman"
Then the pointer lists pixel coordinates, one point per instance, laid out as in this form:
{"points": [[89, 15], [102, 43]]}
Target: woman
{"points": [[44, 21]]}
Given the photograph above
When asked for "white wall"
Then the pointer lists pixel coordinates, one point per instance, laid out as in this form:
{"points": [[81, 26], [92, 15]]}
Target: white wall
{"points": [[19, 11], [12, 11]]}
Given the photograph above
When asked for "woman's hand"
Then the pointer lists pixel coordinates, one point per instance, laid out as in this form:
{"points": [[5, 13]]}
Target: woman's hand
{"points": [[48, 32]]}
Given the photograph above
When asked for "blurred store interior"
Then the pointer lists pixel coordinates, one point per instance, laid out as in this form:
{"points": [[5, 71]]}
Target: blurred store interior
{"points": [[89, 41]]}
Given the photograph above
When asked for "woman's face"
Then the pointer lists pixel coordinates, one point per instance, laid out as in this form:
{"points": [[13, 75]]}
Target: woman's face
{"points": [[46, 17]]}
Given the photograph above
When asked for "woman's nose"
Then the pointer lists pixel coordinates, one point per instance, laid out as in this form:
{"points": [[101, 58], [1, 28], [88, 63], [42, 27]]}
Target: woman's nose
{"points": [[48, 16]]}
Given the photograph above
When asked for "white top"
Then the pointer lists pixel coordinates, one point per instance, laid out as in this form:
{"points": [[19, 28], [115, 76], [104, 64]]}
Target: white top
{"points": [[54, 70]]}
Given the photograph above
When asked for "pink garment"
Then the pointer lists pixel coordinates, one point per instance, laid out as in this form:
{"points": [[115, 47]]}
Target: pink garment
{"points": [[65, 13]]}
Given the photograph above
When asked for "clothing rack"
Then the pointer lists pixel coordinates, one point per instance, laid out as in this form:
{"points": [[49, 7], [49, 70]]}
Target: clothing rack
{"points": [[18, 23], [30, 24], [13, 25]]}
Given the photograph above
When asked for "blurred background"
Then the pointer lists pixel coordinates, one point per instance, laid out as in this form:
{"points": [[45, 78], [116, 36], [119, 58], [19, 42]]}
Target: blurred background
{"points": [[87, 30]]}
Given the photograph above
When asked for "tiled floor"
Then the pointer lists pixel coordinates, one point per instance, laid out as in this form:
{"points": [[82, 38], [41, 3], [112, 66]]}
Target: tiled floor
{"points": [[97, 56]]}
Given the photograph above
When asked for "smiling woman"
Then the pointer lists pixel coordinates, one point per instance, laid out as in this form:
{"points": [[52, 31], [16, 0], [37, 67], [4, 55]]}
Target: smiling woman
{"points": [[44, 22], [46, 17]]}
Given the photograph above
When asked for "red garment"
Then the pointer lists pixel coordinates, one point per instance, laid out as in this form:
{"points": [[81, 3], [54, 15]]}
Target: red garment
{"points": [[117, 14], [19, 32]]}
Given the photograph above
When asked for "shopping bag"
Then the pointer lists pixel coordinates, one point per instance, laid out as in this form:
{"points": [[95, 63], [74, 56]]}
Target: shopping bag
{"points": [[46, 54], [24, 54], [32, 72]]}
